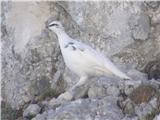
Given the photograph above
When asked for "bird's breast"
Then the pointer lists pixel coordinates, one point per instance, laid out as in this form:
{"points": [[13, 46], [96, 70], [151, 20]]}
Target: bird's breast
{"points": [[75, 62]]}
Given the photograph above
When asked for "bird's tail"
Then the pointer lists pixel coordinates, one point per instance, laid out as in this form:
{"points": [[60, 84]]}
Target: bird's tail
{"points": [[113, 69]]}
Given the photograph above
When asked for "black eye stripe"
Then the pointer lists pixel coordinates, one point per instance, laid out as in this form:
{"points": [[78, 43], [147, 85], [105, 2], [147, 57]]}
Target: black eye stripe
{"points": [[53, 25]]}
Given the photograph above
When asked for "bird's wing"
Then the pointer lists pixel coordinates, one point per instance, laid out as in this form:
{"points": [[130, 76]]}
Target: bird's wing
{"points": [[97, 60], [94, 58]]}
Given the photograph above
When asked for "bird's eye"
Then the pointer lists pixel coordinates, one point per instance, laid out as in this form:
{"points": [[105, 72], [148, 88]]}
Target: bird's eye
{"points": [[53, 25]]}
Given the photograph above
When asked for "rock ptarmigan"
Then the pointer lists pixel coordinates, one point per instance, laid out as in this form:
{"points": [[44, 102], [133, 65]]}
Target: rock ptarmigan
{"points": [[82, 59]]}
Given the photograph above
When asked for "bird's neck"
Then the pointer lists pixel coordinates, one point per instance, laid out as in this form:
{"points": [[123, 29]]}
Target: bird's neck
{"points": [[63, 38]]}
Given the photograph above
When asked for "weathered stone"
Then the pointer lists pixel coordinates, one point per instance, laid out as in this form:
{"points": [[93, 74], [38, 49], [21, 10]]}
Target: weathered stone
{"points": [[39, 117], [128, 107], [157, 117], [154, 103], [42, 116], [142, 94], [153, 69], [31, 111], [87, 109], [104, 86], [153, 4], [130, 118], [144, 111], [140, 26], [113, 91]]}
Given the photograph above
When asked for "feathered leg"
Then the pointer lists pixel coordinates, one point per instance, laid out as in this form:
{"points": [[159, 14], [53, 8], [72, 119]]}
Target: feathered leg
{"points": [[68, 95]]}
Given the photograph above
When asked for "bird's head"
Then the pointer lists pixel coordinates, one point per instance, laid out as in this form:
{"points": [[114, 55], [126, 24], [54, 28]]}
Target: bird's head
{"points": [[55, 26]]}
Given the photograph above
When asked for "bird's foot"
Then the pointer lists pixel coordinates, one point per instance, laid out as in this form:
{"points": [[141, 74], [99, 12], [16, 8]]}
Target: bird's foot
{"points": [[67, 96]]}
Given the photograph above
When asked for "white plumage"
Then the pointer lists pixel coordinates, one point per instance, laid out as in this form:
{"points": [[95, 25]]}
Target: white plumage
{"points": [[81, 58]]}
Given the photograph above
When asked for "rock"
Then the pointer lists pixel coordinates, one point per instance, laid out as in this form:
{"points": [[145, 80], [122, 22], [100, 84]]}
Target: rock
{"points": [[52, 102], [87, 109], [104, 86], [153, 69], [96, 91], [113, 91], [39, 117], [31, 111], [128, 107], [140, 26], [156, 19], [154, 103], [131, 85], [142, 94], [99, 32], [130, 118], [157, 117], [143, 111], [153, 4], [91, 107], [138, 78], [42, 116], [29, 59]]}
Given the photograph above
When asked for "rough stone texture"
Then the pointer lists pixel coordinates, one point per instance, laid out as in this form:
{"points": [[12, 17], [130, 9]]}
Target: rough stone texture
{"points": [[140, 26], [142, 94], [31, 111], [28, 68], [33, 68], [146, 109], [153, 69], [157, 117], [104, 86], [87, 109]]}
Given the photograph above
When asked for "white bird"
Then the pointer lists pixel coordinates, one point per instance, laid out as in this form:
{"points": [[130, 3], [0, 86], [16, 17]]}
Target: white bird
{"points": [[81, 58]]}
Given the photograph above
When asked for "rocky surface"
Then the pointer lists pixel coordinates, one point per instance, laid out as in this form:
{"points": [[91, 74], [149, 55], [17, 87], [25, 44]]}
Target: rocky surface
{"points": [[33, 72], [31, 110]]}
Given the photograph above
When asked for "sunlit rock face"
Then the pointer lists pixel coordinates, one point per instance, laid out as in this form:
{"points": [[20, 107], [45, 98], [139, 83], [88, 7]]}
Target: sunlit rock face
{"points": [[32, 65]]}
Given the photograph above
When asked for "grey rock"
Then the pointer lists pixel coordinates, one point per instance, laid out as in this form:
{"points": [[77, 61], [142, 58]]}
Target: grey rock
{"points": [[153, 103], [96, 91], [31, 110], [156, 18], [140, 26], [128, 107], [113, 91], [131, 85], [99, 32], [130, 118], [104, 86], [143, 110], [52, 101], [39, 117], [88, 109], [153, 4], [42, 116], [157, 117]]}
